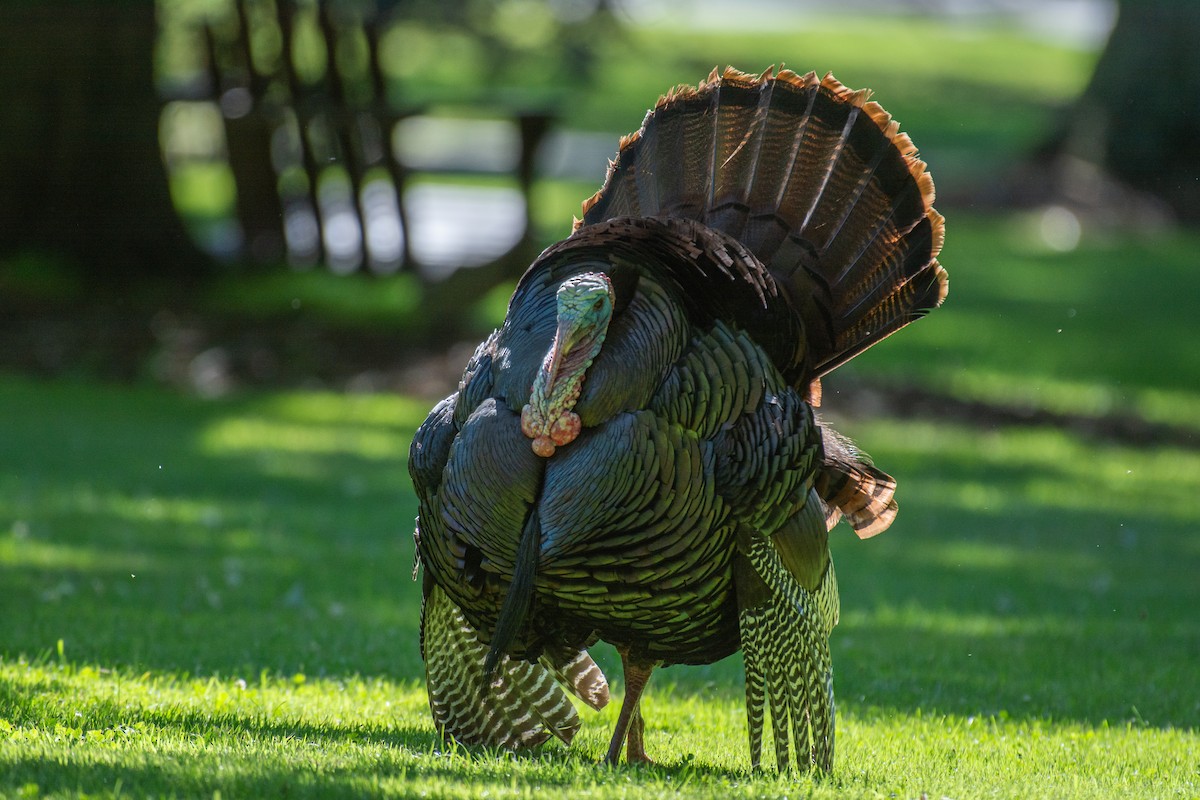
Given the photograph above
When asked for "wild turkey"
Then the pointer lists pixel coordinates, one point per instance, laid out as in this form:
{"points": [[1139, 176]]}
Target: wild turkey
{"points": [[634, 457]]}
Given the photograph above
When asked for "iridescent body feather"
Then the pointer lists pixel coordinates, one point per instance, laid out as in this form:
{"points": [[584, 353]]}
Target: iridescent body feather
{"points": [[634, 456]]}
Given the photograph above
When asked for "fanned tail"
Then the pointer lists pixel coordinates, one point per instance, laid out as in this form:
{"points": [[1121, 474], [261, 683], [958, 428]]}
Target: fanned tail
{"points": [[522, 704], [815, 180]]}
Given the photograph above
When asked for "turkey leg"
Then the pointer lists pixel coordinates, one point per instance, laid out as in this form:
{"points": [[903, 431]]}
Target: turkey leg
{"points": [[629, 722], [635, 748]]}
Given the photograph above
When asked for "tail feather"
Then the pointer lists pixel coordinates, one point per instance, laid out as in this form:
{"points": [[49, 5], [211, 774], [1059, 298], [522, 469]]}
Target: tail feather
{"points": [[756, 691], [817, 182], [743, 133], [850, 486], [667, 184], [787, 607]]}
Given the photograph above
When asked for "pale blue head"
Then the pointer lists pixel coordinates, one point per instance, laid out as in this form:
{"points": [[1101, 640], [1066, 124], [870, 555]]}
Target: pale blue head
{"points": [[585, 306]]}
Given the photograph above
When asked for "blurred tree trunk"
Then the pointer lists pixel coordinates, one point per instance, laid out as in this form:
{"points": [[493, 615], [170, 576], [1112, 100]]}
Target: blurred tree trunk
{"points": [[79, 150], [1139, 117]]}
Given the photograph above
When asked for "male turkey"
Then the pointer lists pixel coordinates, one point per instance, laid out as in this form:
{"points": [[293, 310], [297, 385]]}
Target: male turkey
{"points": [[633, 456]]}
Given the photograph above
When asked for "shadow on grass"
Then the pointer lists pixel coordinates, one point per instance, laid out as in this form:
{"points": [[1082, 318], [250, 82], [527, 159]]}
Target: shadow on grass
{"points": [[266, 758], [52, 777], [280, 540]]}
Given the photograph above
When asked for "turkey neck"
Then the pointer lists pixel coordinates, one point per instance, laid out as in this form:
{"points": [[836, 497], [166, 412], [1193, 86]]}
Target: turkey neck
{"points": [[560, 379], [584, 311]]}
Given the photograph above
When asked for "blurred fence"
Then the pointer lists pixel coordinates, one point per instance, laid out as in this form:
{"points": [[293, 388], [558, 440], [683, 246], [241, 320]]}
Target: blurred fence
{"points": [[311, 108]]}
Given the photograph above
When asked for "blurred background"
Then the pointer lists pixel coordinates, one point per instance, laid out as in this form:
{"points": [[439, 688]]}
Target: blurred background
{"points": [[220, 193], [245, 244]]}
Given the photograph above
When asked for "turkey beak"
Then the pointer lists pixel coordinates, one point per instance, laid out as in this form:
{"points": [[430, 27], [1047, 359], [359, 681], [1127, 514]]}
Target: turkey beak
{"points": [[565, 338], [568, 335]]}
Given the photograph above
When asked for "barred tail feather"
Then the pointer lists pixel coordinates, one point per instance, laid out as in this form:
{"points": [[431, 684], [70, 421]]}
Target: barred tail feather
{"points": [[751, 627], [850, 486]]}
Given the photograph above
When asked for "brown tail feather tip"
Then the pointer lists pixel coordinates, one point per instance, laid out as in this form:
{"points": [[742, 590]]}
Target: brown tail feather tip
{"points": [[872, 524], [864, 495], [856, 97]]}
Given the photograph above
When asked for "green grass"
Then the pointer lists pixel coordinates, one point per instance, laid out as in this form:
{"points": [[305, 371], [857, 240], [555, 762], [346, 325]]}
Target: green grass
{"points": [[214, 597], [229, 581]]}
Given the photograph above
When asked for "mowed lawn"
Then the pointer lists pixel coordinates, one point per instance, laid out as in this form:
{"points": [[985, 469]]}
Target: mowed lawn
{"points": [[214, 598]]}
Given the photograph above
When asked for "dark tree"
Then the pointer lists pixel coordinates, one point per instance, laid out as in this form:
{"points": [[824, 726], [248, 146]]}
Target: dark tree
{"points": [[1139, 117], [79, 152]]}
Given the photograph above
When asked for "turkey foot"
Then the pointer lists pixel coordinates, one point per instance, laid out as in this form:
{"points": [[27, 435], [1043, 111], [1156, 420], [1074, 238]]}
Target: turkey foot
{"points": [[629, 722], [635, 748]]}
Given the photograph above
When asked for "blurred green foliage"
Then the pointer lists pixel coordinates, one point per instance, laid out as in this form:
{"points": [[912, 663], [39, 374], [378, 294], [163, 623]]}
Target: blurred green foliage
{"points": [[975, 98]]}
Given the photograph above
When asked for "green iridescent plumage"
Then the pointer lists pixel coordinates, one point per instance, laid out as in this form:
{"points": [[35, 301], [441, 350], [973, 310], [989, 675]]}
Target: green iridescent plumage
{"points": [[634, 455]]}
